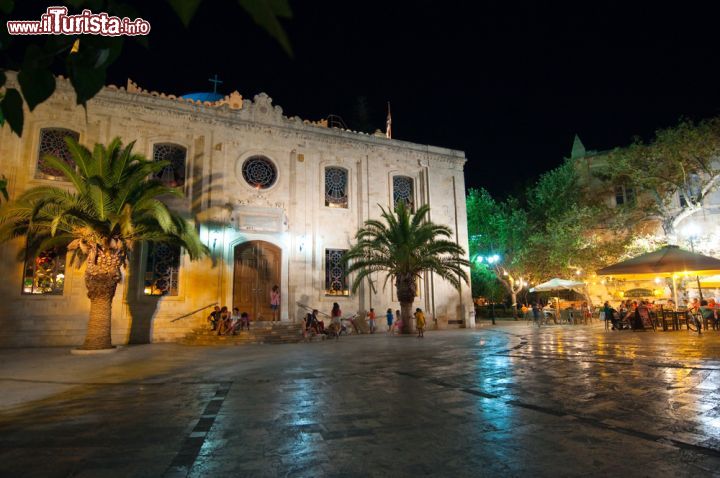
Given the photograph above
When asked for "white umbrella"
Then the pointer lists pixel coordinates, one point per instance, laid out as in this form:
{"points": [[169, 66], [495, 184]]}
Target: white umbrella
{"points": [[558, 284]]}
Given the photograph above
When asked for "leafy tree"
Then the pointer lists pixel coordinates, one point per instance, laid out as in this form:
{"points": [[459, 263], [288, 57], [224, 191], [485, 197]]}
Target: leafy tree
{"points": [[498, 240], [680, 162], [405, 246], [570, 228], [114, 205], [86, 63]]}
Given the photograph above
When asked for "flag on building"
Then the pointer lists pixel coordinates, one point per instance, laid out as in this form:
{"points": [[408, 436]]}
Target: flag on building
{"points": [[388, 124]]}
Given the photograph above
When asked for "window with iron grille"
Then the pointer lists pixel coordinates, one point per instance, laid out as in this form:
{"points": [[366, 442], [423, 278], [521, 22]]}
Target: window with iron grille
{"points": [[52, 143], [259, 172], [404, 190], [162, 269], [45, 274], [172, 175], [336, 181], [336, 282]]}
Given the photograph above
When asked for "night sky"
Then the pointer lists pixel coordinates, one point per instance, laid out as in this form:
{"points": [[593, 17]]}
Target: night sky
{"points": [[509, 83]]}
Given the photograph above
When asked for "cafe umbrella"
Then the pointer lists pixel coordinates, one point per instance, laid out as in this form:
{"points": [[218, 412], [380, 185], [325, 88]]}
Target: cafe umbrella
{"points": [[668, 261], [559, 284]]}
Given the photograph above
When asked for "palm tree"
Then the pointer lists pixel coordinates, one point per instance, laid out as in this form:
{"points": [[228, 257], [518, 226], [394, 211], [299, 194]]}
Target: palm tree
{"points": [[114, 205], [405, 246]]}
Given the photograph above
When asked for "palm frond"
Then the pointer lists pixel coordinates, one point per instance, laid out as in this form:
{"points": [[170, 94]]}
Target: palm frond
{"points": [[405, 245], [115, 203]]}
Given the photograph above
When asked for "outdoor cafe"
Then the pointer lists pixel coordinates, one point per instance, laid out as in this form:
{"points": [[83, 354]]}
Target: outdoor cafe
{"points": [[665, 305], [664, 290]]}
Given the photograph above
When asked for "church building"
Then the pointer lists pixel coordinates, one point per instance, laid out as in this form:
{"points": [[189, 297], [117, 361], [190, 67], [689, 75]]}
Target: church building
{"points": [[276, 199]]}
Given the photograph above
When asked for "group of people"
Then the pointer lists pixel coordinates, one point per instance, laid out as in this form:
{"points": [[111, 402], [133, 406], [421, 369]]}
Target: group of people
{"points": [[576, 315], [225, 323], [313, 323], [633, 314], [395, 323]]}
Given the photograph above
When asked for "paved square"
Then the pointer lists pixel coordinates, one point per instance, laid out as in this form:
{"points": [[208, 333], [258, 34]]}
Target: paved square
{"points": [[502, 401]]}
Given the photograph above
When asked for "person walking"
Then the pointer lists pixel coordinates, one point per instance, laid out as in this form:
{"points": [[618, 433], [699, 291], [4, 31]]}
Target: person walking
{"points": [[275, 302], [389, 318], [536, 312], [420, 322]]}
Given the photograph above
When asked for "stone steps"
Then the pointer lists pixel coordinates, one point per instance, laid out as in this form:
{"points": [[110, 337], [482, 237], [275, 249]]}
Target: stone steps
{"points": [[259, 333]]}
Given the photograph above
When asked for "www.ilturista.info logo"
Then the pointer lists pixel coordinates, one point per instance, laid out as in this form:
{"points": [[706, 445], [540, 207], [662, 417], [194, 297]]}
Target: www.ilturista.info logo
{"points": [[56, 21]]}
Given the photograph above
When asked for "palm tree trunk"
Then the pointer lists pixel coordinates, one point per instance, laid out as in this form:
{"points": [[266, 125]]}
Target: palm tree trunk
{"points": [[101, 279], [406, 313], [406, 295]]}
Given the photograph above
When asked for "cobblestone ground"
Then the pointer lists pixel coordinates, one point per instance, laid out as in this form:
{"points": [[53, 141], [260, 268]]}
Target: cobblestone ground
{"points": [[503, 401]]}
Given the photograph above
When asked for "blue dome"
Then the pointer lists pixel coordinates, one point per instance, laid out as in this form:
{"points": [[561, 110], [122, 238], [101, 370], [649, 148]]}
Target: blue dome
{"points": [[207, 96]]}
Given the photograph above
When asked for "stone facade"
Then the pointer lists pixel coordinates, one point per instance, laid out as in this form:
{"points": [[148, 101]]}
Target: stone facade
{"points": [[290, 215]]}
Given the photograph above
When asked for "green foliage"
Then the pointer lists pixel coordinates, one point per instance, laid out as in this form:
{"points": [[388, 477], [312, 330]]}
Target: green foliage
{"points": [[12, 110], [185, 9], [266, 14], [87, 68], [404, 246], [564, 228], [497, 228], [485, 284], [554, 192], [115, 204]]}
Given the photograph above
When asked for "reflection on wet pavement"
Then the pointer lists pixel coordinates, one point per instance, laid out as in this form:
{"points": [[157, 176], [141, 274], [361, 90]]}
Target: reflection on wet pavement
{"points": [[506, 401]]}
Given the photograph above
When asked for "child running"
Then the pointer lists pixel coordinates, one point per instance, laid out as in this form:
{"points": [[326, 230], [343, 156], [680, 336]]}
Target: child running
{"points": [[389, 317]]}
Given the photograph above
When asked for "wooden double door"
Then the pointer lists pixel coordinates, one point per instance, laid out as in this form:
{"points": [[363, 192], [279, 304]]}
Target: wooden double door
{"points": [[256, 271]]}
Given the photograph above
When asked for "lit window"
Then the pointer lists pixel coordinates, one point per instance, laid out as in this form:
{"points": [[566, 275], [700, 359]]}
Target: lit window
{"points": [[161, 271], [259, 172], [335, 273], [45, 274], [404, 190], [336, 187], [172, 175], [52, 143]]}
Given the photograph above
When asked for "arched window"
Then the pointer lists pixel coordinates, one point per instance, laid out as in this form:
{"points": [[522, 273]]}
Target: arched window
{"points": [[404, 190], [52, 143], [259, 172], [336, 180], [172, 175], [162, 270]]}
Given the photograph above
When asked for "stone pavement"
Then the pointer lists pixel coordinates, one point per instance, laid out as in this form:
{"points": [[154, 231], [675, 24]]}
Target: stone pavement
{"points": [[502, 401]]}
